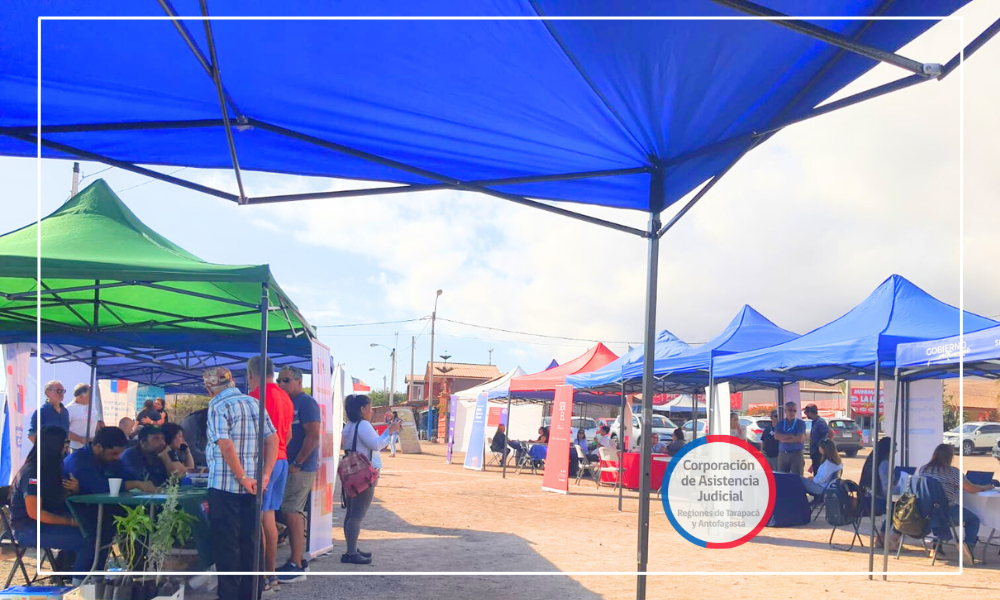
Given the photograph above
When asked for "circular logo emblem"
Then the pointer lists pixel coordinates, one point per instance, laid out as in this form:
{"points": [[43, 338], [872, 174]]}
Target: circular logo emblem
{"points": [[718, 492]]}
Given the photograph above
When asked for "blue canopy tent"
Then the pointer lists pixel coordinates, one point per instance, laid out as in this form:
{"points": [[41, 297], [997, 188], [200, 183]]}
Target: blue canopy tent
{"points": [[632, 114], [975, 354], [861, 344]]}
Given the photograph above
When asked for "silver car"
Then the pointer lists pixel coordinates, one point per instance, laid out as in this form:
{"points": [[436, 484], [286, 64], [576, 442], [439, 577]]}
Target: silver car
{"points": [[589, 426], [973, 437]]}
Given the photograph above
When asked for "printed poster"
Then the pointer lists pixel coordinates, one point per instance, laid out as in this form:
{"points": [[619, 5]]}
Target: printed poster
{"points": [[452, 418], [409, 439], [331, 424], [556, 475], [477, 439]]}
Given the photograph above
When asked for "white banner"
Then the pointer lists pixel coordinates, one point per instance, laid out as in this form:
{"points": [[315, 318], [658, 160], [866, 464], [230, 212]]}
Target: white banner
{"points": [[718, 410], [925, 425], [332, 422], [20, 402], [118, 400]]}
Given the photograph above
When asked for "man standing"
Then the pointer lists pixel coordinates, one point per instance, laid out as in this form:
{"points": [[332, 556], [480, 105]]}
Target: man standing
{"points": [[281, 412], [820, 431], [78, 409], [232, 480], [52, 413], [791, 436], [152, 460], [303, 453], [769, 445]]}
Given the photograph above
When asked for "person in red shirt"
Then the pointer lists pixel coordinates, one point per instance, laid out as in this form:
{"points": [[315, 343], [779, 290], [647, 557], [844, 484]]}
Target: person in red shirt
{"points": [[281, 411]]}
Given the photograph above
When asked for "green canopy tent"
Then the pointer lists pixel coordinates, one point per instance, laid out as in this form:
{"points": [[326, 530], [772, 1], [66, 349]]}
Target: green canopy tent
{"points": [[116, 293], [140, 306]]}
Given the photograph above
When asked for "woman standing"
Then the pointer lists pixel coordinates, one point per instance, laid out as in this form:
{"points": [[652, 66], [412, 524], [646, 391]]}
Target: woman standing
{"points": [[736, 429], [359, 436], [161, 407]]}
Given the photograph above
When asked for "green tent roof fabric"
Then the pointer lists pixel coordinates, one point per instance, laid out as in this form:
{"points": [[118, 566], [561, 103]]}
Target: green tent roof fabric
{"points": [[152, 292]]}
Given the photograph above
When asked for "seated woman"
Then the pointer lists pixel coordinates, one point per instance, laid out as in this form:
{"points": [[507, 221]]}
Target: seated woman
{"points": [[827, 472], [951, 479], [677, 443], [581, 440], [173, 435], [39, 505]]}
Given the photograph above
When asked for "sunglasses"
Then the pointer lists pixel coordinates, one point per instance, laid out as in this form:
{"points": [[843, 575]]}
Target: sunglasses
{"points": [[58, 391], [284, 380]]}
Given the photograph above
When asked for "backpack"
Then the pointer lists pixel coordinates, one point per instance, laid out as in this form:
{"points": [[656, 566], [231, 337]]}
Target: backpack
{"points": [[840, 500], [355, 470], [906, 517]]}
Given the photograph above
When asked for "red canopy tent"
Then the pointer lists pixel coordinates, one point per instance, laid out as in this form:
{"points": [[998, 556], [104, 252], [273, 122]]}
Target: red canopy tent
{"points": [[546, 381]]}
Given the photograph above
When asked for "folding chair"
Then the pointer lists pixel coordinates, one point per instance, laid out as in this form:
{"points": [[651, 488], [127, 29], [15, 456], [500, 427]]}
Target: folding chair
{"points": [[609, 464], [821, 503], [583, 463], [496, 458], [7, 539], [525, 461], [851, 514]]}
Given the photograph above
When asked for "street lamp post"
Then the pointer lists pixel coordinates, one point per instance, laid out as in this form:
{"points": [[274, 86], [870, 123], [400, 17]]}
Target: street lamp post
{"points": [[385, 387], [392, 371], [430, 377]]}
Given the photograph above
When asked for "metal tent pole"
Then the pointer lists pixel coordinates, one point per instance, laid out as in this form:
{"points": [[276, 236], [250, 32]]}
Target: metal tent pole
{"points": [[656, 192], [896, 418], [621, 444], [712, 408], [264, 305], [93, 358], [871, 541], [506, 434]]}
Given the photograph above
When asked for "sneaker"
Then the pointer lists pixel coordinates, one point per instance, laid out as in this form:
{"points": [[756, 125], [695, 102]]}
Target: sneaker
{"points": [[967, 555], [355, 559], [360, 553], [292, 573]]}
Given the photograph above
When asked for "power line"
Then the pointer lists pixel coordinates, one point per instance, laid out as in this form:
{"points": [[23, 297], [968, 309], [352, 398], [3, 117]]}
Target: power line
{"points": [[541, 335], [150, 181], [370, 324]]}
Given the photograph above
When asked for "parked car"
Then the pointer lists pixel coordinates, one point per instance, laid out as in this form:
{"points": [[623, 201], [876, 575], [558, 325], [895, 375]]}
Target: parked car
{"points": [[605, 421], [662, 426], [589, 426], [755, 427], [996, 451], [848, 436], [689, 427], [973, 437]]}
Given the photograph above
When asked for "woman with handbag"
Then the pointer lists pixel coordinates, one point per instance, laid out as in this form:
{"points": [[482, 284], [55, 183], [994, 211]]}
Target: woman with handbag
{"points": [[359, 471]]}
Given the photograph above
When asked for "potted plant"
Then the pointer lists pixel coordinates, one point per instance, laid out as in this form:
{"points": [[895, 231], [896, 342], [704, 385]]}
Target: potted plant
{"points": [[173, 526]]}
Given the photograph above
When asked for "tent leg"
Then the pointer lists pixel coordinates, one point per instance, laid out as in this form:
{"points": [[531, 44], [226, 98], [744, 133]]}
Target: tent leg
{"points": [[871, 549], [262, 414], [896, 418], [621, 446], [712, 408], [647, 388], [93, 360], [507, 433]]}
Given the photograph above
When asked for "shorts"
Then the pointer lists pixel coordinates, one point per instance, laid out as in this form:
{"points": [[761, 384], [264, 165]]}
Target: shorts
{"points": [[275, 490], [297, 491]]}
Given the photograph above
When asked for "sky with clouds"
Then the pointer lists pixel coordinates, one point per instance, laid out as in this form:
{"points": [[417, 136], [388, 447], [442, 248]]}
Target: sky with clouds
{"points": [[802, 229]]}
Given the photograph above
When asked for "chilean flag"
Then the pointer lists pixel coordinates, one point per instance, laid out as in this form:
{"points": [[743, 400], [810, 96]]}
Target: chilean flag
{"points": [[360, 386]]}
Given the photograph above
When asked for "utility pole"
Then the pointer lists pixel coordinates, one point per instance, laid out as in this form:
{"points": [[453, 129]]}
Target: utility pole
{"points": [[491, 355], [413, 351], [430, 377], [392, 378], [76, 180]]}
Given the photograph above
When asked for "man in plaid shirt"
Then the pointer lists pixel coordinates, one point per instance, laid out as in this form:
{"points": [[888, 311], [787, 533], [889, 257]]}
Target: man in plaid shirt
{"points": [[233, 418]]}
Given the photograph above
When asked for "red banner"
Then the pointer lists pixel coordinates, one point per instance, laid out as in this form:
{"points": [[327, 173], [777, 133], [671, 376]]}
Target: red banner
{"points": [[863, 401], [556, 475], [494, 416]]}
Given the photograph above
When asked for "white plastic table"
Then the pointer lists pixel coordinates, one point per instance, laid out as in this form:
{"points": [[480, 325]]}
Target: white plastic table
{"points": [[986, 506]]}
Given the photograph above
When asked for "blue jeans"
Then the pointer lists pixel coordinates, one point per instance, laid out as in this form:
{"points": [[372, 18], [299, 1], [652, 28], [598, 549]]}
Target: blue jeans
{"points": [[812, 487], [393, 440], [61, 537], [971, 524]]}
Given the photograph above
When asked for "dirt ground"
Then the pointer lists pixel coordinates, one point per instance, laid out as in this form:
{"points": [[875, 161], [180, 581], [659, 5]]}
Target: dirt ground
{"points": [[432, 517]]}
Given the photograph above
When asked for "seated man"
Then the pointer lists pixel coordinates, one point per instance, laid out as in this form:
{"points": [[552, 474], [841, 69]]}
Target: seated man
{"points": [[92, 466], [152, 460], [658, 446]]}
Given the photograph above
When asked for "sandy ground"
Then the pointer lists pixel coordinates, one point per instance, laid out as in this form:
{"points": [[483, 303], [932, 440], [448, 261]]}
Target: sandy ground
{"points": [[433, 517]]}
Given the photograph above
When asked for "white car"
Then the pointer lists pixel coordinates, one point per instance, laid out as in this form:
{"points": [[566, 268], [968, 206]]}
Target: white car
{"points": [[662, 427], [973, 437], [589, 426]]}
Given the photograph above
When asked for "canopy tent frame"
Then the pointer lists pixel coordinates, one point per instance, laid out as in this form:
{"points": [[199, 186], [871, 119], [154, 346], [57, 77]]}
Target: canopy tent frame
{"points": [[655, 206]]}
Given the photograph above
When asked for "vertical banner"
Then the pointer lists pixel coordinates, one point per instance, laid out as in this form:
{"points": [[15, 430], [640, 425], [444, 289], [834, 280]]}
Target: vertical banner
{"points": [[118, 399], [20, 404], [477, 443], [452, 418], [409, 438], [718, 412], [792, 393], [556, 475], [331, 424], [925, 426]]}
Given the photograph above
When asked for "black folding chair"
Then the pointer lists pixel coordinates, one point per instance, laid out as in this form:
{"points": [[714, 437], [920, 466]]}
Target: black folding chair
{"points": [[7, 539]]}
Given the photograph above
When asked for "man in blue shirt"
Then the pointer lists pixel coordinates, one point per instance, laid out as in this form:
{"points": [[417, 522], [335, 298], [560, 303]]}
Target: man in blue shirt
{"points": [[791, 435], [820, 431], [303, 462], [92, 466], [152, 460], [52, 413]]}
